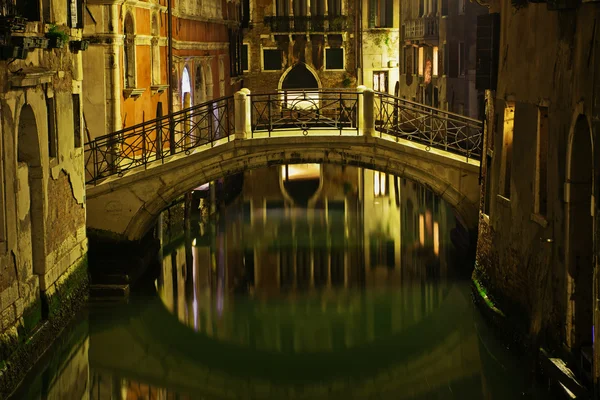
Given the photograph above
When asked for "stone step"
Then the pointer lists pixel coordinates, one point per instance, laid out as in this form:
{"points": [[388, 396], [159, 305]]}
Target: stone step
{"points": [[107, 291]]}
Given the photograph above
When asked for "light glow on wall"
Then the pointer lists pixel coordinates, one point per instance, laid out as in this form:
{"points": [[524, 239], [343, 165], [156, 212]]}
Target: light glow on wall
{"points": [[420, 66], [436, 238], [422, 229], [435, 61]]}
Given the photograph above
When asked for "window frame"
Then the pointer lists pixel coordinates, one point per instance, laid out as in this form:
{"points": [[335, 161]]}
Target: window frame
{"points": [[262, 59], [247, 46], [343, 59]]}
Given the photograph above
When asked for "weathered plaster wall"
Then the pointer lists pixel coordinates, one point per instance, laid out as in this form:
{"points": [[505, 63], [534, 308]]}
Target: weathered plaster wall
{"points": [[521, 256], [43, 244]]}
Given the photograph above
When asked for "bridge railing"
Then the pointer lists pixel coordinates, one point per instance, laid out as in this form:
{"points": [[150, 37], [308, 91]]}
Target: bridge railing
{"points": [[330, 110], [427, 125], [153, 140]]}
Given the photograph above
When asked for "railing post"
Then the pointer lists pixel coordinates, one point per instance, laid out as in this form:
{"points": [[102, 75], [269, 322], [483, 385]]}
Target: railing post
{"points": [[241, 114], [248, 111], [366, 111]]}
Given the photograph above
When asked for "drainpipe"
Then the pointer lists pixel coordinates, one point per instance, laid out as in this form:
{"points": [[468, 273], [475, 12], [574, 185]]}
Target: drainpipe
{"points": [[170, 76], [596, 278]]}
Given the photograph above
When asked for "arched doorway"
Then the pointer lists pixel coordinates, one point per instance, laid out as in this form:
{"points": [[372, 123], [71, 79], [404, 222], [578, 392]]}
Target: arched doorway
{"points": [[580, 239], [129, 51], [299, 77], [28, 156]]}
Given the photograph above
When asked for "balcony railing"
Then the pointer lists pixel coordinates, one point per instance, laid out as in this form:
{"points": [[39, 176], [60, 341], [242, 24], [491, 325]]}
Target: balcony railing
{"points": [[316, 23], [421, 28]]}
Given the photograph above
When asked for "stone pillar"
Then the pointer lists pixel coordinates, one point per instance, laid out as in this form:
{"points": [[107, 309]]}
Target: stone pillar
{"points": [[248, 111], [241, 113], [366, 111]]}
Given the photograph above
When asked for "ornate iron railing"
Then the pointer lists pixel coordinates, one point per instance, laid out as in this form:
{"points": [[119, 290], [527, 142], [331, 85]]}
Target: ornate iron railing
{"points": [[313, 23], [153, 140], [427, 125], [333, 111], [304, 110]]}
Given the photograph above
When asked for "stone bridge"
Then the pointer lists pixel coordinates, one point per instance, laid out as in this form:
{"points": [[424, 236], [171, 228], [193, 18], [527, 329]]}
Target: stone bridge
{"points": [[134, 174]]}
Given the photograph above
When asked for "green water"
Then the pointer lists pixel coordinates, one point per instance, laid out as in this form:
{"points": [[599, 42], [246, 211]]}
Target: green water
{"points": [[355, 292]]}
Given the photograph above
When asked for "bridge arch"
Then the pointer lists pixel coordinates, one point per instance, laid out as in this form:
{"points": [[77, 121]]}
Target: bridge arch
{"points": [[127, 206]]}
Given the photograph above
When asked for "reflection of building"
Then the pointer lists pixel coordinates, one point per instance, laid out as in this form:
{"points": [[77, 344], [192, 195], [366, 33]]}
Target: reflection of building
{"points": [[131, 40], [43, 245], [438, 54]]}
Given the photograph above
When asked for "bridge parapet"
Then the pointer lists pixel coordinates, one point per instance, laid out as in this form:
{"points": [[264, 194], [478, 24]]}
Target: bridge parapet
{"points": [[246, 114]]}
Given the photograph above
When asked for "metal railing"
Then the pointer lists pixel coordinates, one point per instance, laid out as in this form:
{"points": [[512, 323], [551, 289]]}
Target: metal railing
{"points": [[430, 126], [153, 140], [304, 110], [284, 112], [421, 28], [313, 23]]}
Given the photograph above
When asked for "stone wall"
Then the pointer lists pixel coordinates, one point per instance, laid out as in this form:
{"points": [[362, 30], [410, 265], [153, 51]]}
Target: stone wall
{"points": [[525, 257], [43, 243]]}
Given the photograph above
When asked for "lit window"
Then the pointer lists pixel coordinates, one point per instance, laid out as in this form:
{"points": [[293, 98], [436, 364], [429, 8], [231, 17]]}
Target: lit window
{"points": [[420, 66], [436, 238], [422, 229], [507, 144], [380, 79], [379, 184], [435, 61]]}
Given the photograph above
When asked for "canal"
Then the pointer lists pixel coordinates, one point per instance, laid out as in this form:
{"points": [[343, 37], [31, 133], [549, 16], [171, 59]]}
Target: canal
{"points": [[294, 282]]}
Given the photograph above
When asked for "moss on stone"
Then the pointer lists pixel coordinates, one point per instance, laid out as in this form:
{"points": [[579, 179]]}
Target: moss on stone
{"points": [[31, 318], [20, 348]]}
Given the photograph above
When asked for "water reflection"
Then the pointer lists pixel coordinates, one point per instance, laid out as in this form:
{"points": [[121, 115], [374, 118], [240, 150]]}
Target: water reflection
{"points": [[311, 282]]}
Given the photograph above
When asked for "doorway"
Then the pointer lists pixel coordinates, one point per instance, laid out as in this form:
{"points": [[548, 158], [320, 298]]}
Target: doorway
{"points": [[580, 242]]}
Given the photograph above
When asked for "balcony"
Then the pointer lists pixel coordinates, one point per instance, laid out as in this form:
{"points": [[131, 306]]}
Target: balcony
{"points": [[426, 28], [307, 24]]}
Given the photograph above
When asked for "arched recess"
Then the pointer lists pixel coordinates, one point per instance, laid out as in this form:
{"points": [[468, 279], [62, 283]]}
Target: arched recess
{"points": [[186, 87], [299, 76], [579, 238], [199, 85], [209, 80], [29, 156], [129, 51]]}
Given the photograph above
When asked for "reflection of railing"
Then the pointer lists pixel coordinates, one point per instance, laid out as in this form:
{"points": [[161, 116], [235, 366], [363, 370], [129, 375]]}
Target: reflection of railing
{"points": [[427, 125], [314, 23], [318, 109], [141, 144], [421, 28]]}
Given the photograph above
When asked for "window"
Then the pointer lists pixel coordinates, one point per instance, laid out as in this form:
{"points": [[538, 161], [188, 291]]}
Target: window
{"points": [[446, 60], [129, 52], [52, 140], [380, 80], [461, 58], [507, 144], [245, 55], [334, 8], [435, 61], [444, 8], [461, 6], [25, 9], [380, 187], [272, 60], [381, 13], [282, 8], [415, 51], [76, 120], [245, 13], [155, 60], [334, 58], [420, 65], [75, 14], [541, 165]]}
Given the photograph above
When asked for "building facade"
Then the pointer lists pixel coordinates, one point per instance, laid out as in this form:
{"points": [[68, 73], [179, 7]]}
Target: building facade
{"points": [[538, 229], [299, 44], [437, 55], [131, 40], [43, 244]]}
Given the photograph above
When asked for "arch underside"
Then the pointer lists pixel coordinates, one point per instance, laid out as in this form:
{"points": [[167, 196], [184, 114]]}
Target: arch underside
{"points": [[171, 180]]}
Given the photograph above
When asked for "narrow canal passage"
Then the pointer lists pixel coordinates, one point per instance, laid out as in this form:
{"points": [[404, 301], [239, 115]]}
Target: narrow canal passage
{"points": [[297, 282]]}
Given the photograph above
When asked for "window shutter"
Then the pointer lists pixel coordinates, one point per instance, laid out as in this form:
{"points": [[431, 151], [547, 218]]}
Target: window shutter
{"points": [[487, 48], [453, 61], [446, 60]]}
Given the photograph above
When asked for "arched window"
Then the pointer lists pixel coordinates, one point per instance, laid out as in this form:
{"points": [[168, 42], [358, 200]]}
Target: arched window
{"points": [[186, 86], [129, 52], [199, 86], [155, 51]]}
